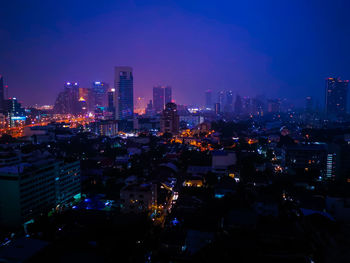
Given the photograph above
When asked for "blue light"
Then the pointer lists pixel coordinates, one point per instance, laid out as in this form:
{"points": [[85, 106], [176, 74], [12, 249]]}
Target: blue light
{"points": [[175, 221], [219, 195]]}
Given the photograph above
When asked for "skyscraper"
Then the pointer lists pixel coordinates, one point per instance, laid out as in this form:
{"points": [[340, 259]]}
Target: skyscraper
{"points": [[2, 94], [99, 93], [111, 100], [14, 110], [68, 101], [71, 90], [124, 93], [208, 100], [221, 99], [158, 99], [336, 97], [161, 96], [167, 94]]}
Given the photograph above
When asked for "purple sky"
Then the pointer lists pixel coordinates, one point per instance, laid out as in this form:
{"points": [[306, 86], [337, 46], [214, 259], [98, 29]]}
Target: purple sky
{"points": [[250, 48]]}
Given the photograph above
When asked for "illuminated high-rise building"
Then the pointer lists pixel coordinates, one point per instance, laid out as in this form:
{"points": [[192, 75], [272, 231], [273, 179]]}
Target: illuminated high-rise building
{"points": [[221, 99], [167, 95], [110, 95], [124, 93], [140, 105], [208, 100], [336, 97], [15, 112], [161, 96], [68, 101], [158, 98], [83, 94], [99, 93], [72, 96]]}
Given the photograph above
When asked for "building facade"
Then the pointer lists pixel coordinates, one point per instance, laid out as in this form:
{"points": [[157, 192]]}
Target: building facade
{"points": [[124, 93], [99, 93], [169, 122], [336, 97], [28, 189], [208, 100], [161, 96]]}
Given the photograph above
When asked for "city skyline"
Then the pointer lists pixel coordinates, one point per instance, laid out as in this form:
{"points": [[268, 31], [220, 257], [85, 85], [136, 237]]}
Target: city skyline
{"points": [[251, 60]]}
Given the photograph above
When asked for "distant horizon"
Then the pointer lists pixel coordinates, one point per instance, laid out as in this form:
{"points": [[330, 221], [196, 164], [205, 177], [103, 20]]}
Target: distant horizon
{"points": [[281, 50]]}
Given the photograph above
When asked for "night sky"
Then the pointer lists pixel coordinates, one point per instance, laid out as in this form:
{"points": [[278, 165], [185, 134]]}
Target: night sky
{"points": [[250, 47]]}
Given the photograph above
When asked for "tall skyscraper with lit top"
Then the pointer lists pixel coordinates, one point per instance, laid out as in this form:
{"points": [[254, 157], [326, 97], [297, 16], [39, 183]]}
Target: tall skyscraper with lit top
{"points": [[208, 100], [99, 93], [161, 96], [336, 97], [124, 93]]}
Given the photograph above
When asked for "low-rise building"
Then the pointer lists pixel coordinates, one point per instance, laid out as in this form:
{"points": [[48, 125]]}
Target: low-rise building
{"points": [[222, 160], [138, 198]]}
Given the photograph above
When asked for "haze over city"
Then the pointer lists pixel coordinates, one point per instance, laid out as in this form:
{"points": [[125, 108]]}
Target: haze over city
{"points": [[274, 48], [174, 131]]}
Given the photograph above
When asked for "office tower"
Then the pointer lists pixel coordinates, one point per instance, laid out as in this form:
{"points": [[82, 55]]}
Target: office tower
{"points": [[84, 95], [150, 112], [35, 186], [71, 90], [61, 107], [111, 100], [99, 93], [2, 94], [229, 101], [124, 93], [169, 122], [336, 97], [69, 101], [221, 99], [208, 100], [158, 99], [308, 104], [14, 111], [238, 105], [161, 96], [167, 95]]}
